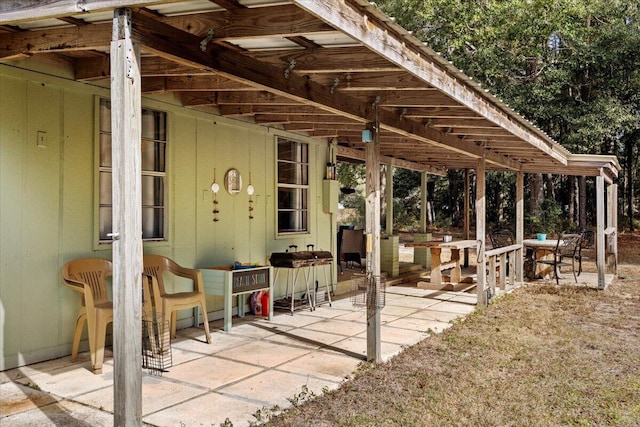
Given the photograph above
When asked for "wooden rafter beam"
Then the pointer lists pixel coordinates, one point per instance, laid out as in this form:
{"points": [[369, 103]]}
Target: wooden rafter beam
{"points": [[353, 153], [448, 112], [87, 37], [73, 21], [250, 110], [210, 83], [307, 118], [194, 99], [304, 42], [237, 24], [228, 4], [98, 68], [407, 99], [371, 81], [462, 122], [326, 60], [411, 59], [299, 88]]}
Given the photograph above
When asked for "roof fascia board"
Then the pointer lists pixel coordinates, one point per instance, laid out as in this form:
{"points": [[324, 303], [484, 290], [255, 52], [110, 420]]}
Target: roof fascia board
{"points": [[356, 25], [17, 11]]}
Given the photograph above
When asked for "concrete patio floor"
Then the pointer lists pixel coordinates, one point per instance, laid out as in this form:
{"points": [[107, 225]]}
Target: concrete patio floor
{"points": [[259, 364]]}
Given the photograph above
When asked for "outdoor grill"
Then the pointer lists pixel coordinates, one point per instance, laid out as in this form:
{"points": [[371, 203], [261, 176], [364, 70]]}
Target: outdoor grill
{"points": [[306, 261]]}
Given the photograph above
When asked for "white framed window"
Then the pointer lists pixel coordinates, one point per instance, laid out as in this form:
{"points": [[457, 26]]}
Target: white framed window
{"points": [[293, 186], [154, 174]]}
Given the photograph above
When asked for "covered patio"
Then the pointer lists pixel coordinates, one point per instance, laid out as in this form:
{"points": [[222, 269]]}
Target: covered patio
{"points": [[246, 372], [255, 366], [337, 73]]}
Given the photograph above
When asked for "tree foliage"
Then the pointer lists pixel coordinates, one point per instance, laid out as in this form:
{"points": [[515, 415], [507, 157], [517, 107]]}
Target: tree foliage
{"points": [[571, 67]]}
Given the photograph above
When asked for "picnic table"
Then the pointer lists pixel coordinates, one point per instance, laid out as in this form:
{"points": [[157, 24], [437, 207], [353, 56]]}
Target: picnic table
{"points": [[437, 265]]}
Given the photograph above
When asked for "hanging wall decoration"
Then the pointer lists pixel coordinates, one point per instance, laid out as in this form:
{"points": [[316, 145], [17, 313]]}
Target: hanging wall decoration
{"points": [[250, 191], [215, 187]]}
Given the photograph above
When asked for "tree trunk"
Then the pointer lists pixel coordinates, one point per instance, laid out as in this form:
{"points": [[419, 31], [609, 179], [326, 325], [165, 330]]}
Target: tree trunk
{"points": [[454, 194], [537, 194], [582, 196], [572, 200], [630, 184], [549, 188]]}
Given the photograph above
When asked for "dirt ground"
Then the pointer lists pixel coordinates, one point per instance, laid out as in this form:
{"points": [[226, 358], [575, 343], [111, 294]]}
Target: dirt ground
{"points": [[540, 356]]}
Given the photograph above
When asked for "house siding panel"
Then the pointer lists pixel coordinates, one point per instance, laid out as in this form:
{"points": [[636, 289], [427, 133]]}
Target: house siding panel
{"points": [[47, 209]]}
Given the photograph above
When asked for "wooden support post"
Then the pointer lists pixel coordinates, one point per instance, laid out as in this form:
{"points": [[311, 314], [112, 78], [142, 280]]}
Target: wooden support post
{"points": [[467, 209], [600, 246], [424, 205], [519, 258], [127, 223], [480, 221], [612, 222], [389, 198], [372, 155]]}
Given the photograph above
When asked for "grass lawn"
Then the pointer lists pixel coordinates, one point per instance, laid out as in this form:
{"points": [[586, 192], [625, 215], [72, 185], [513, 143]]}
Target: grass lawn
{"points": [[540, 356]]}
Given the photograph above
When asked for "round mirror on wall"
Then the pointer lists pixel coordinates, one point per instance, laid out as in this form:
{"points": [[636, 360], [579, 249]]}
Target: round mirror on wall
{"points": [[233, 181]]}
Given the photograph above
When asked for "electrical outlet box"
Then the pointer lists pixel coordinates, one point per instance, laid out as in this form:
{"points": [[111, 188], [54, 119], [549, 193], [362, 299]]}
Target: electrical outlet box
{"points": [[41, 139]]}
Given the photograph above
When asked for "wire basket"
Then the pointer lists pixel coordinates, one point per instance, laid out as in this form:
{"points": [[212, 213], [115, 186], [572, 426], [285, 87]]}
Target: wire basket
{"points": [[156, 345], [368, 291]]}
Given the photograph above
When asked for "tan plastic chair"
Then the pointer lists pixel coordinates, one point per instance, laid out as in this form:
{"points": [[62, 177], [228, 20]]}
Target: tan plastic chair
{"points": [[88, 276], [156, 266]]}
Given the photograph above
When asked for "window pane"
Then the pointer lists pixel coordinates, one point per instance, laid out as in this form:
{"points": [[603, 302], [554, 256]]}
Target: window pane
{"points": [[292, 173], [153, 155], [154, 125], [105, 225], [105, 115], [292, 151], [105, 188], [152, 223], [292, 198], [105, 149], [152, 191], [292, 221]]}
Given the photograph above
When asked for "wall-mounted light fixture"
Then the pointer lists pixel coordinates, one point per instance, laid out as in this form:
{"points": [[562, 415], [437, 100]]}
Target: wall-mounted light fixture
{"points": [[215, 187], [250, 191]]}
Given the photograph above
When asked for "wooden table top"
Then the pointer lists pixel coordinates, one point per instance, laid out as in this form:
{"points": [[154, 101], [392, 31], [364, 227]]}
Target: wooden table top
{"points": [[455, 244], [535, 243]]}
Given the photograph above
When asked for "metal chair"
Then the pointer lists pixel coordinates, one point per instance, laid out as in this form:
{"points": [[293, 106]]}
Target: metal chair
{"points": [[587, 242], [351, 246], [501, 237], [156, 266], [566, 248], [88, 276]]}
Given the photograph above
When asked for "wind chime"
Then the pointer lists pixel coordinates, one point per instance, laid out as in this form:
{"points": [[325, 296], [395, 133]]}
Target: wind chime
{"points": [[215, 187]]}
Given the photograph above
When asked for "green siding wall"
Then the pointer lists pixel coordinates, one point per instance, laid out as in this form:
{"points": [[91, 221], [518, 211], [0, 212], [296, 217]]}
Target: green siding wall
{"points": [[47, 209]]}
